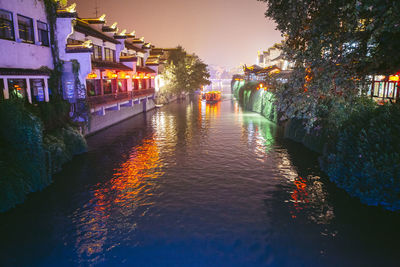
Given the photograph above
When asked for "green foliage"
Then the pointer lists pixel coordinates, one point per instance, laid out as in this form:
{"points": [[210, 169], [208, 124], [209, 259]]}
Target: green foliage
{"points": [[29, 155], [366, 162], [62, 145], [54, 114], [22, 158], [336, 44], [184, 73], [260, 101]]}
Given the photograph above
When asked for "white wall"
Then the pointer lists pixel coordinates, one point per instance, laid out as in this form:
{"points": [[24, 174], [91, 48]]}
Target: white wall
{"points": [[15, 54], [65, 30]]}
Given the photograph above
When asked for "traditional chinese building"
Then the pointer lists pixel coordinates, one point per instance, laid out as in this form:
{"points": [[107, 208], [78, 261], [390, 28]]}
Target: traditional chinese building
{"points": [[116, 72], [25, 53]]}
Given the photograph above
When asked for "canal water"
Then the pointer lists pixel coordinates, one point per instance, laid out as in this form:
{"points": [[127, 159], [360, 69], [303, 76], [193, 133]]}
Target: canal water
{"points": [[194, 184]]}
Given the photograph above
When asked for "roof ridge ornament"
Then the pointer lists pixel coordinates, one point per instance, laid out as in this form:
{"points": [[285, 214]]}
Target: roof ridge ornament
{"points": [[71, 8]]}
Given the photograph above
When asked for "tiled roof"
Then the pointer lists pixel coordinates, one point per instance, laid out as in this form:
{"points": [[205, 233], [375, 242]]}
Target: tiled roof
{"points": [[78, 49], [144, 69], [128, 59], [110, 65], [129, 45], [137, 41], [85, 28], [62, 13], [33, 72]]}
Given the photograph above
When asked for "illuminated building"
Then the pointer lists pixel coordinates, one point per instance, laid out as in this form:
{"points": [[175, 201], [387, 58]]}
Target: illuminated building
{"points": [[25, 54], [116, 69]]}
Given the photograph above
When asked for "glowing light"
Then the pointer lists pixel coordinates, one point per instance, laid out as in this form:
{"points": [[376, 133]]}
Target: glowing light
{"points": [[87, 44], [114, 25], [114, 75], [92, 75], [132, 33], [102, 17], [123, 32], [127, 77], [71, 8], [260, 86], [394, 78]]}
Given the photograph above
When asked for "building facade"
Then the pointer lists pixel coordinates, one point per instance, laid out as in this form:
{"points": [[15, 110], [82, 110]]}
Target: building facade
{"points": [[109, 69], [25, 54]]}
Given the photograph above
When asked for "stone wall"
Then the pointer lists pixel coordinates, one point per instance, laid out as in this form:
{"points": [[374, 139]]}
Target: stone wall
{"points": [[111, 117]]}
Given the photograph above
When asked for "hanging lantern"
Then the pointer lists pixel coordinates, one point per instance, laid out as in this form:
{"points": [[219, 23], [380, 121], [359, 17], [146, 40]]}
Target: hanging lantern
{"points": [[92, 75]]}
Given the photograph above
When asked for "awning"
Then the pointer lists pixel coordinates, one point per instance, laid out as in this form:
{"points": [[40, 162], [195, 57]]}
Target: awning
{"points": [[144, 69], [25, 72], [110, 65]]}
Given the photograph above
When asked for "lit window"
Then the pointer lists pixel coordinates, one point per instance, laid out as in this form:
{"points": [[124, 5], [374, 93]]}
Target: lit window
{"points": [[17, 88], [6, 25], [25, 29], [43, 30], [1, 89], [37, 90], [97, 53], [109, 54]]}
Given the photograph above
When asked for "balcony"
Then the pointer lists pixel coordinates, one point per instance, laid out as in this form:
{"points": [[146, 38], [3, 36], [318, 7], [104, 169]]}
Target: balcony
{"points": [[113, 99]]}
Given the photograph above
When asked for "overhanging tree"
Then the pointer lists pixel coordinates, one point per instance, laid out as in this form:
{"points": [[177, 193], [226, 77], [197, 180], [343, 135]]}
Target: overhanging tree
{"points": [[185, 72], [335, 46]]}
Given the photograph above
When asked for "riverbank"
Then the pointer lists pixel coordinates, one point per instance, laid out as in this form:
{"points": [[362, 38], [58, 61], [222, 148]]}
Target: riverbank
{"points": [[31, 154], [32, 151], [260, 199], [359, 152]]}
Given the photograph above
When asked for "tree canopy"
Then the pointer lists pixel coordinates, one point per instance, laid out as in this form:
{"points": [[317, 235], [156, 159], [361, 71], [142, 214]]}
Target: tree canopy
{"points": [[335, 45], [185, 72]]}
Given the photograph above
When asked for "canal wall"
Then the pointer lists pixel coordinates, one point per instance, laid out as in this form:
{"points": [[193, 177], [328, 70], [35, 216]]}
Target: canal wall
{"points": [[356, 157], [116, 114], [262, 101]]}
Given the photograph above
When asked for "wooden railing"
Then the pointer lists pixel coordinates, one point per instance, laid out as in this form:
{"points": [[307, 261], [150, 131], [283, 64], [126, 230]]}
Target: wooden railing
{"points": [[145, 92], [115, 98]]}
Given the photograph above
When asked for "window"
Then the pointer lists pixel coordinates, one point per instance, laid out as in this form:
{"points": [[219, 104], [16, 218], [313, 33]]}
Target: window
{"points": [[97, 53], [122, 85], [37, 90], [16, 88], [93, 87], [43, 31], [25, 29], [109, 54], [135, 84], [6, 25], [107, 87], [1, 89], [139, 61]]}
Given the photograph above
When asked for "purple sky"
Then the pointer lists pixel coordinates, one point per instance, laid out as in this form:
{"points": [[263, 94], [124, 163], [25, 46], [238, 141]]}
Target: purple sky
{"points": [[221, 32]]}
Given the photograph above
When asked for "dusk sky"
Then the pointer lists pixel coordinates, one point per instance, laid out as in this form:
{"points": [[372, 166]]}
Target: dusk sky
{"points": [[221, 32]]}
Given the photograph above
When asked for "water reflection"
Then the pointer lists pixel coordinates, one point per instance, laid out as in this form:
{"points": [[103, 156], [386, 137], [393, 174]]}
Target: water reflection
{"points": [[128, 192], [307, 195], [193, 184]]}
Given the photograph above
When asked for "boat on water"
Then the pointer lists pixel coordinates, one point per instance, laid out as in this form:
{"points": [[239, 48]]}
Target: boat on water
{"points": [[212, 96]]}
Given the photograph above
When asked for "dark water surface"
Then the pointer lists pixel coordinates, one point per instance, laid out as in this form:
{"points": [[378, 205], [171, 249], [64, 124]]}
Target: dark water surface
{"points": [[192, 184]]}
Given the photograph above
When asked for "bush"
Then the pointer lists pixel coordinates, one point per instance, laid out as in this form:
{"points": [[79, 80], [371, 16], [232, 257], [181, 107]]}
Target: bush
{"points": [[22, 158], [366, 162], [62, 145], [28, 158]]}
